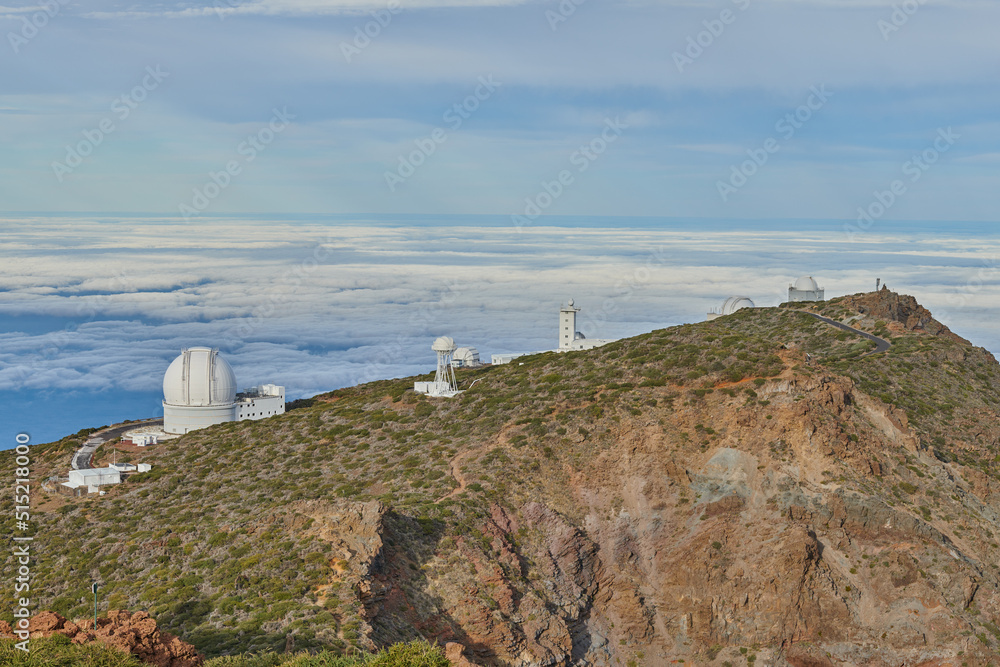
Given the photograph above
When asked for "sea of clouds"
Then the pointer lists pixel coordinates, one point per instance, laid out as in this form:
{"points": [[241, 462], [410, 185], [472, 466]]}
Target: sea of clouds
{"points": [[92, 309]]}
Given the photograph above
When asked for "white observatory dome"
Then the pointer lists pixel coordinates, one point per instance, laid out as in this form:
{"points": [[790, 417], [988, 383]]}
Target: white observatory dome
{"points": [[199, 377], [806, 284], [734, 303], [465, 357], [444, 344]]}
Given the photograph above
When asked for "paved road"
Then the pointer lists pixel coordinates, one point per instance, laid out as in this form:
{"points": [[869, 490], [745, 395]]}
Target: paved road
{"points": [[81, 458], [881, 345]]}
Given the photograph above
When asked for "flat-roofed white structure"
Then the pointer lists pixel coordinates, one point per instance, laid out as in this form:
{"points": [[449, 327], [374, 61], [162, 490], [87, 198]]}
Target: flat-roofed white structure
{"points": [[498, 359], [94, 477], [260, 402]]}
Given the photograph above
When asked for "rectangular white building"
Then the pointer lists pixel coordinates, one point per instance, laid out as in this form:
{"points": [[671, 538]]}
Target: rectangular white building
{"points": [[94, 477], [260, 402]]}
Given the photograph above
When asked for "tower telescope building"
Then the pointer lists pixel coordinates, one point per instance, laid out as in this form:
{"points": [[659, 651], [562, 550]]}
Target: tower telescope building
{"points": [[444, 384], [569, 338], [199, 390]]}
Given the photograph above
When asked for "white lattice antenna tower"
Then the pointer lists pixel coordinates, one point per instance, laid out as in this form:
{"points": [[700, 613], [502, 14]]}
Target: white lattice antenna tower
{"points": [[445, 376]]}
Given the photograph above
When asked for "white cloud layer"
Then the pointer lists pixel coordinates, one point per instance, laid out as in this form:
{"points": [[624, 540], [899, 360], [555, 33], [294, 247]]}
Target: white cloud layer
{"points": [[93, 305]]}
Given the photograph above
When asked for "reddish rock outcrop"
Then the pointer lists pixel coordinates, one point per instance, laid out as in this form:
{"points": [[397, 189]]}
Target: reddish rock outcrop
{"points": [[902, 308], [133, 633], [454, 652]]}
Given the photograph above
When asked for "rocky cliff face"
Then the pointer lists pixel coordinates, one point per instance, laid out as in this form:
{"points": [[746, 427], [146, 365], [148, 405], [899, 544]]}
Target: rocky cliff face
{"points": [[892, 308], [751, 543], [707, 494]]}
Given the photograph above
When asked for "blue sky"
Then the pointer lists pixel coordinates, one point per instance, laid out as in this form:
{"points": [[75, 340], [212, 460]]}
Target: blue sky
{"points": [[214, 147], [225, 67]]}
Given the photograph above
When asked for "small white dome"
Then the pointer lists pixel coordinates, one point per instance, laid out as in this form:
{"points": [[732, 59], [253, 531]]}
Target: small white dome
{"points": [[806, 284], [444, 344], [734, 303], [199, 377]]}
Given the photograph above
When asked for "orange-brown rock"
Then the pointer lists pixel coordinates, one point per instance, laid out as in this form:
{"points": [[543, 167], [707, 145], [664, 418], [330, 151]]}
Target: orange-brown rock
{"points": [[455, 654], [132, 633]]}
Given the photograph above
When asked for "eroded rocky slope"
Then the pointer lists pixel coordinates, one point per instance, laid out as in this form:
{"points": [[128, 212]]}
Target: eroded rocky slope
{"points": [[752, 490]]}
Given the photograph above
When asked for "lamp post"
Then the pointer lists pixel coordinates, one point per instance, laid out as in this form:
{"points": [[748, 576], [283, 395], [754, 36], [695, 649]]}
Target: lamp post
{"points": [[93, 587]]}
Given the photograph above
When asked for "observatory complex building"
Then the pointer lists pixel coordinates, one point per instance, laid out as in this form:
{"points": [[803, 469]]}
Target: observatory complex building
{"points": [[570, 340], [444, 384], [730, 306], [805, 289], [199, 390]]}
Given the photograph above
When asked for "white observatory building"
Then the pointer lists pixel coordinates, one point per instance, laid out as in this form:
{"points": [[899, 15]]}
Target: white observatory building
{"points": [[445, 385], [805, 289], [199, 390], [730, 306], [569, 338], [466, 357]]}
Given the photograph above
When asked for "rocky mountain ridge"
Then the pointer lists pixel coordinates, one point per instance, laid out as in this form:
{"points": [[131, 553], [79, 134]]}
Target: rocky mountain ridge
{"points": [[753, 490]]}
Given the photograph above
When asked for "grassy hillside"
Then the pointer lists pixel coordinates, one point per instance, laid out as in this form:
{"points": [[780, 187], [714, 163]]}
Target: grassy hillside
{"points": [[371, 515], [58, 651]]}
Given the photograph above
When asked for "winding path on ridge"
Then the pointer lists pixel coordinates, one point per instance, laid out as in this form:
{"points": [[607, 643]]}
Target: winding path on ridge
{"points": [[455, 471], [881, 345], [82, 457]]}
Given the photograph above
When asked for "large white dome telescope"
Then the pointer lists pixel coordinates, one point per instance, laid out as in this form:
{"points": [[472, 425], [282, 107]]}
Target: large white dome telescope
{"points": [[199, 390], [199, 377]]}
